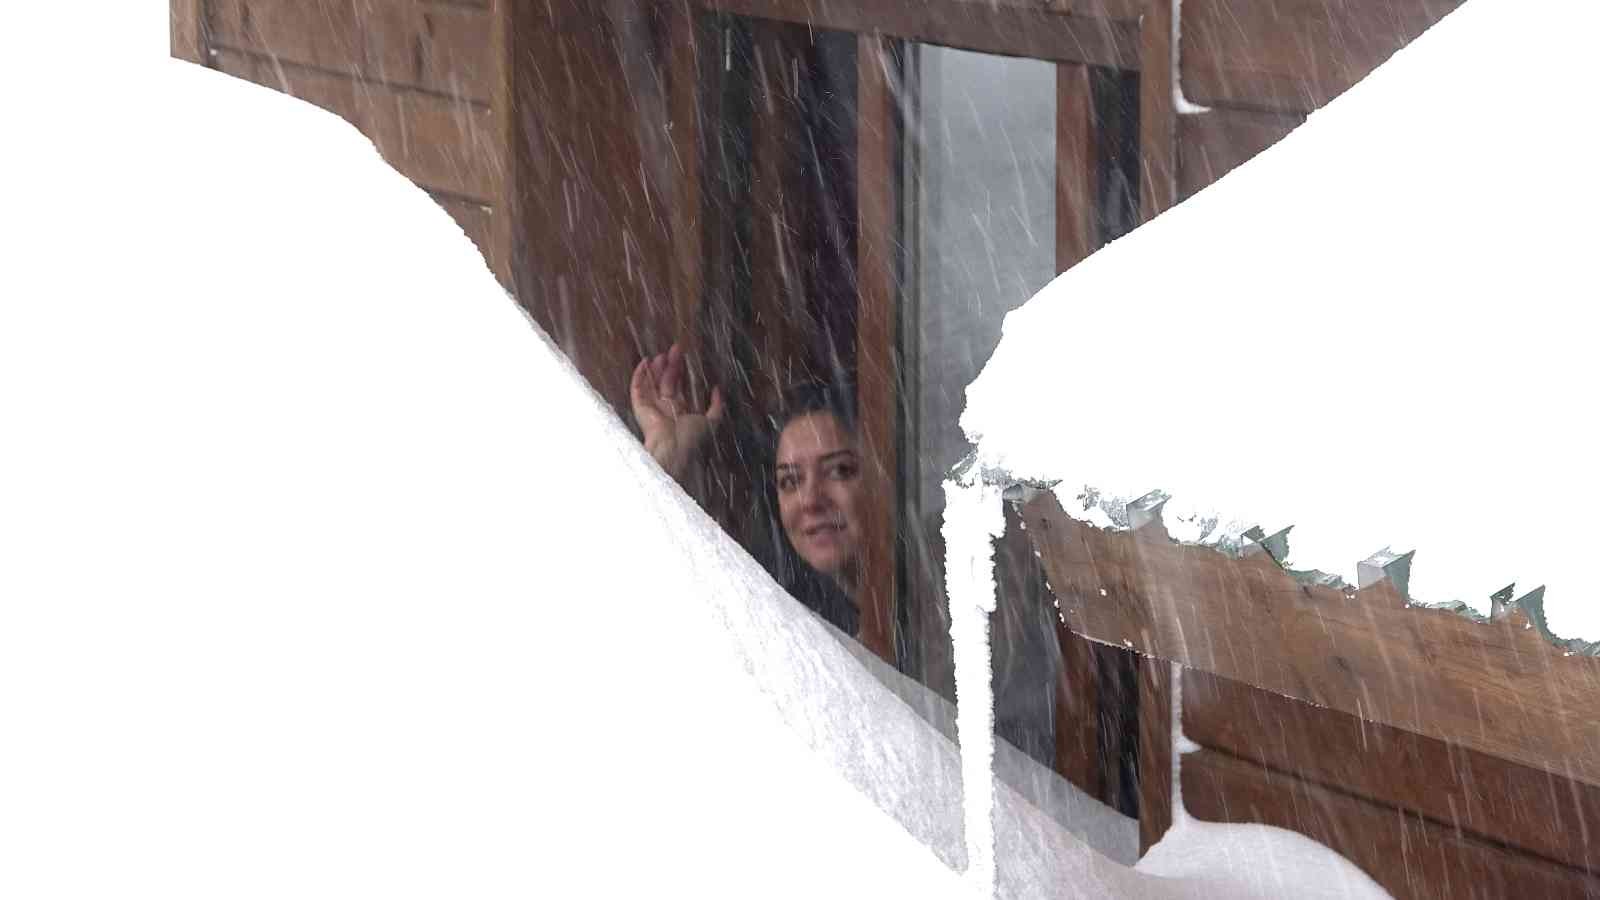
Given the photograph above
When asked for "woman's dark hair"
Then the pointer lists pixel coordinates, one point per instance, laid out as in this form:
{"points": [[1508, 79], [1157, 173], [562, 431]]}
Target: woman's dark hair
{"points": [[814, 396], [810, 587]]}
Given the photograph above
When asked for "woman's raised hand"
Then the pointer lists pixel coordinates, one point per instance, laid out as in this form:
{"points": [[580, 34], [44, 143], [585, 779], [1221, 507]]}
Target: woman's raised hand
{"points": [[673, 432]]}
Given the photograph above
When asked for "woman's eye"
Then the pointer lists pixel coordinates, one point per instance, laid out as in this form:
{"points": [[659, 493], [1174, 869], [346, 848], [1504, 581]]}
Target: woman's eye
{"points": [[786, 484], [843, 471]]}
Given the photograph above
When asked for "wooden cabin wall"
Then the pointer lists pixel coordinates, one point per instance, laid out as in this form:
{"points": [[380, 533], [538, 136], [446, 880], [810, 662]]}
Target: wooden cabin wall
{"points": [[1260, 66], [415, 76], [1445, 757], [603, 195], [544, 129], [1425, 818]]}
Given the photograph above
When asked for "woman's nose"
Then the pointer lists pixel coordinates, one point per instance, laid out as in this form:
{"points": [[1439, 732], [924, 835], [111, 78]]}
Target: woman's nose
{"points": [[811, 494]]}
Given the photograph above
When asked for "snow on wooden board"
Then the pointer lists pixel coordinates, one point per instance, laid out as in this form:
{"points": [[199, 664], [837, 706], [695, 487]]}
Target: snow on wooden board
{"points": [[1378, 332], [1498, 686]]}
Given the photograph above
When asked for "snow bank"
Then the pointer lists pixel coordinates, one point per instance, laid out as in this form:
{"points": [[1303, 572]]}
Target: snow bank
{"points": [[312, 578], [1378, 332], [311, 562]]}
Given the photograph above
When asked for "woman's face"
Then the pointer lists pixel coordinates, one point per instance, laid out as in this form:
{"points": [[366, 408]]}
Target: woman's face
{"points": [[819, 480]]}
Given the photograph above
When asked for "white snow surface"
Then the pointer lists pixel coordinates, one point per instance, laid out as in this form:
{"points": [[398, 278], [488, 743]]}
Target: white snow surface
{"points": [[1258, 861], [1380, 331], [322, 573]]}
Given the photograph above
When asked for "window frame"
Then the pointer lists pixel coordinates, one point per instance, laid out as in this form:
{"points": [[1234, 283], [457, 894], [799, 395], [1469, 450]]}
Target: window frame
{"points": [[1075, 36]]}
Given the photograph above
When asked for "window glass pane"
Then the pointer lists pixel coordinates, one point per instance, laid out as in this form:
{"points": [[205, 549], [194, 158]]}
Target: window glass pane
{"points": [[979, 222], [985, 229]]}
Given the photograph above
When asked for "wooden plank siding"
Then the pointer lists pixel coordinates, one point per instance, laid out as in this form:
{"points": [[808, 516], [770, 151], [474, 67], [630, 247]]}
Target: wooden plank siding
{"points": [[1446, 758], [1261, 65], [415, 76], [1292, 55], [1158, 115], [187, 26], [442, 144], [1449, 785], [1156, 682], [1213, 143], [1409, 856], [434, 47], [1496, 687]]}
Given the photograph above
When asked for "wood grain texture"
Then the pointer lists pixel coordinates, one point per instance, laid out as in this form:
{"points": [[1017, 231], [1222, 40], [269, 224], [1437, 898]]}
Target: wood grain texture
{"points": [[438, 143], [187, 29], [441, 48], [1097, 725], [1076, 140], [1077, 717], [1452, 786], [501, 248], [1212, 144], [1101, 33], [1293, 55], [781, 324], [877, 159], [1158, 114], [1155, 750], [685, 125], [1409, 856], [1497, 688], [586, 110]]}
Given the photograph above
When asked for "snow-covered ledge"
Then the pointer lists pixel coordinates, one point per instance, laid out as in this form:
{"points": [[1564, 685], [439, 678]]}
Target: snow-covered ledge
{"points": [[1379, 332]]}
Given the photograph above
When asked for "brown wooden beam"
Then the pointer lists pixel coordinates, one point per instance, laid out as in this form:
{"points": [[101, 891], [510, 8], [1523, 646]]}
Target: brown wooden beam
{"points": [[1080, 718], [1158, 114], [1212, 144], [436, 48], [780, 324], [1453, 786], [503, 246], [1155, 750], [584, 118], [687, 145], [1293, 56], [187, 25], [1409, 856], [436, 141], [1496, 687], [1101, 33], [877, 159], [1076, 138]]}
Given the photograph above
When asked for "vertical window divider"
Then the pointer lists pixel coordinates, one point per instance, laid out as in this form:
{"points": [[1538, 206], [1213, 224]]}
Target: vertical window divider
{"points": [[878, 363]]}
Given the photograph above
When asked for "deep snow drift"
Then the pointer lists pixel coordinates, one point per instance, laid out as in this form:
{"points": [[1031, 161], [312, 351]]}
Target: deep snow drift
{"points": [[1379, 332], [314, 585]]}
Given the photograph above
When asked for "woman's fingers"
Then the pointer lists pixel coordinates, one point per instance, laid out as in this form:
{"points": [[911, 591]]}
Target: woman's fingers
{"points": [[657, 387], [658, 369], [636, 384], [716, 409], [673, 377], [645, 388]]}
